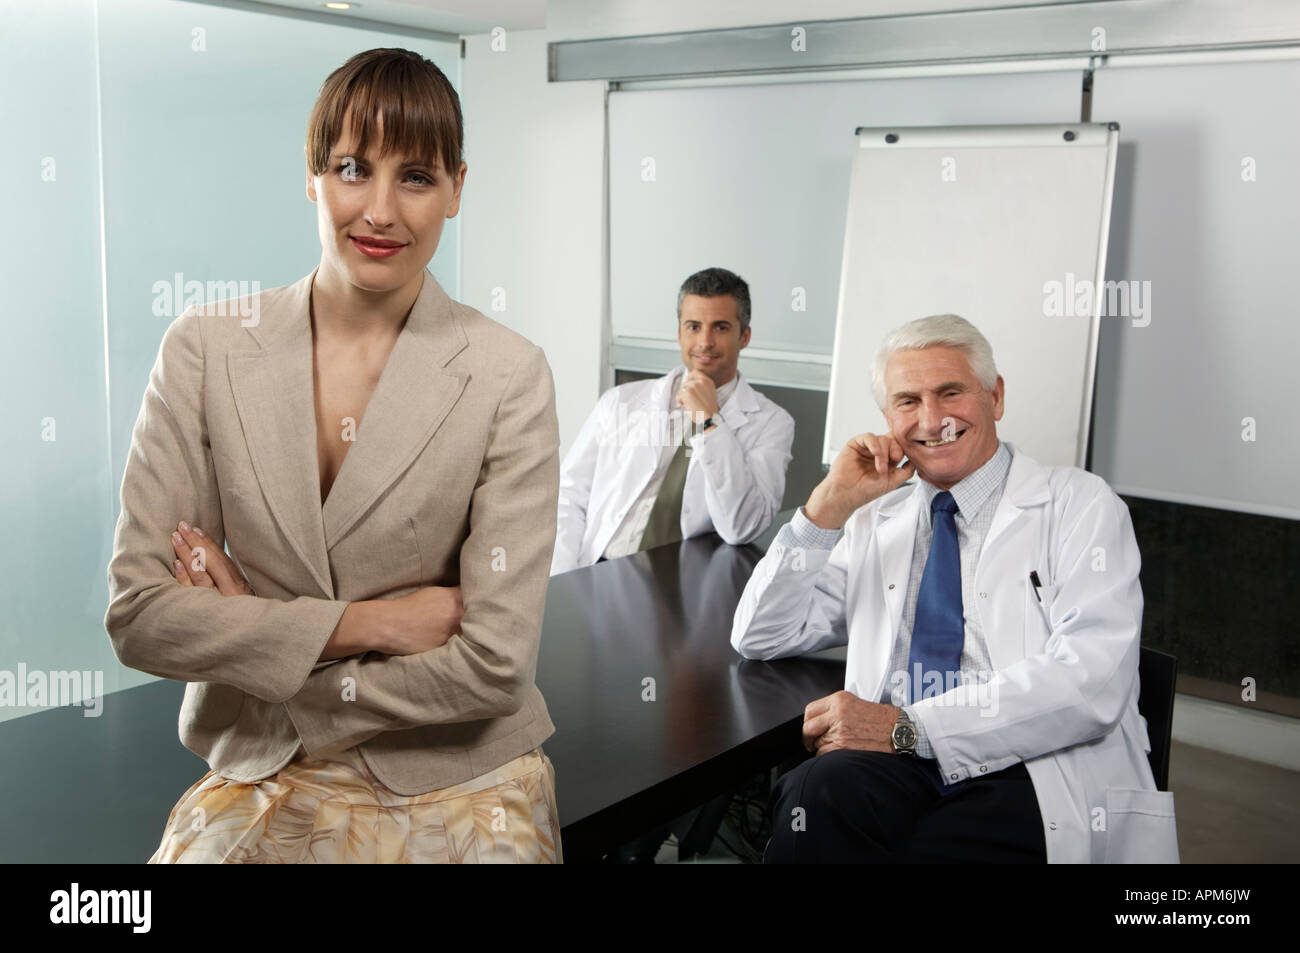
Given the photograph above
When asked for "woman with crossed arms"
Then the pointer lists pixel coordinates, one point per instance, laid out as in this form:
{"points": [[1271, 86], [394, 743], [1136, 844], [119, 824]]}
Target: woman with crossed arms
{"points": [[383, 463]]}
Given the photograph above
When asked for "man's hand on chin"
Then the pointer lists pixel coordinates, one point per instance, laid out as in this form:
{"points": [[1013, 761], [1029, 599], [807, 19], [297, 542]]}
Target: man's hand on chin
{"points": [[844, 720], [698, 396]]}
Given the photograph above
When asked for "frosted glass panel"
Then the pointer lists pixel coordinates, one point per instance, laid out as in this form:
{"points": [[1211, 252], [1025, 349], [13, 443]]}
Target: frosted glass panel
{"points": [[56, 492]]}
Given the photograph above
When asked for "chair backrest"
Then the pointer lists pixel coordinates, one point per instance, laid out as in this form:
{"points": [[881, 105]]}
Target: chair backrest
{"points": [[1157, 672]]}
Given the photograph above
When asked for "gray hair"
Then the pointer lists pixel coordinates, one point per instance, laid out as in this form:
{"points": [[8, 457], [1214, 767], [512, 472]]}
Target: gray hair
{"points": [[713, 282], [937, 330]]}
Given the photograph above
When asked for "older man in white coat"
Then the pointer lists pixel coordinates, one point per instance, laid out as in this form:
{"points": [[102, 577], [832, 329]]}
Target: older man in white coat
{"points": [[992, 613], [695, 451]]}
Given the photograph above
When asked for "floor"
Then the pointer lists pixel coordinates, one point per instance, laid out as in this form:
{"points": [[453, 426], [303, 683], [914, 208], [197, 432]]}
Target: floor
{"points": [[1233, 810], [1230, 811]]}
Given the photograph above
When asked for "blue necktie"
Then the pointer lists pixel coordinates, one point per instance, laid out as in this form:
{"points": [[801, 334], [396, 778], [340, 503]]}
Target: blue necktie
{"points": [[939, 631]]}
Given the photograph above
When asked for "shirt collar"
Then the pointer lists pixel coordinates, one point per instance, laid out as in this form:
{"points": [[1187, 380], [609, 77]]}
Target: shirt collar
{"points": [[973, 491]]}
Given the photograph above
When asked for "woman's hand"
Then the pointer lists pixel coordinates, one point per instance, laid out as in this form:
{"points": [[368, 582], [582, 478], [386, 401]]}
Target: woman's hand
{"points": [[421, 621], [405, 625], [201, 562]]}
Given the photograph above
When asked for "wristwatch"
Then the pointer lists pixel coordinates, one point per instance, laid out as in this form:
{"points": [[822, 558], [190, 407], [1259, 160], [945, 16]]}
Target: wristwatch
{"points": [[715, 419], [904, 735]]}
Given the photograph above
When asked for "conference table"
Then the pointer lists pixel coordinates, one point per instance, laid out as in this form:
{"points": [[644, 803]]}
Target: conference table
{"points": [[655, 713]]}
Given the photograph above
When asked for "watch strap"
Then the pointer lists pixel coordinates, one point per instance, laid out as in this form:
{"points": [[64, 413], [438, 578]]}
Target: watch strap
{"points": [[904, 720]]}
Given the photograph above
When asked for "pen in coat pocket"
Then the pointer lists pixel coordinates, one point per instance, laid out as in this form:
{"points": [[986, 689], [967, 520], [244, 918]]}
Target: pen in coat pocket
{"points": [[1033, 578]]}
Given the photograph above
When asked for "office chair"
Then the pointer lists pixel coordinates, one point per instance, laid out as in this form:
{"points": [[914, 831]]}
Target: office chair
{"points": [[1157, 672]]}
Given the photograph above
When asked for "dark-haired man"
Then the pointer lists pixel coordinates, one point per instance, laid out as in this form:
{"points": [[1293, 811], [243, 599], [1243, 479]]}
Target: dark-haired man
{"points": [[695, 451]]}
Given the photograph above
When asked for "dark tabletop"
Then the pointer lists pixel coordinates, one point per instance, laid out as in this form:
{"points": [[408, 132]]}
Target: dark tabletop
{"points": [[623, 762], [654, 713]]}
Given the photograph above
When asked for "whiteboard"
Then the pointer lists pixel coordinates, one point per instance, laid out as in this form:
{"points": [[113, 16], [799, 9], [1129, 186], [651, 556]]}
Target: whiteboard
{"points": [[1003, 225], [755, 179]]}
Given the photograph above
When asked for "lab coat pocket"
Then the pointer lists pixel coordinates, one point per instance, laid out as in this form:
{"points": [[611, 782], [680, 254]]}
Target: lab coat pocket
{"points": [[1038, 621], [1140, 827]]}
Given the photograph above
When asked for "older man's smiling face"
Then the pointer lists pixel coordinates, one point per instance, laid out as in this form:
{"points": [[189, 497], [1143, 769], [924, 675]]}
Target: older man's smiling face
{"points": [[943, 419]]}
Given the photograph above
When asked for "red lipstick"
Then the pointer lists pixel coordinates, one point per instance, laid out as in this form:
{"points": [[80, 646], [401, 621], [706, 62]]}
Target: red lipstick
{"points": [[376, 247]]}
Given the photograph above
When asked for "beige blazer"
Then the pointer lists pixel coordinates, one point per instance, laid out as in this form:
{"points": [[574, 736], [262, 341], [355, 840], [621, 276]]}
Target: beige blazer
{"points": [[452, 480]]}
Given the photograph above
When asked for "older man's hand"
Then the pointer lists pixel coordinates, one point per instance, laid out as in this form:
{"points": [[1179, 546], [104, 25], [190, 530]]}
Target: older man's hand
{"points": [[867, 468], [844, 720]]}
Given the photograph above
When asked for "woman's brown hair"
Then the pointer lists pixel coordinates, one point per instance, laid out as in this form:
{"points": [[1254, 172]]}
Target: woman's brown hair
{"points": [[419, 108]]}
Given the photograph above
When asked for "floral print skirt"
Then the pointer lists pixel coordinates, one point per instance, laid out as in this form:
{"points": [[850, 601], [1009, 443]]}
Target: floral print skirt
{"points": [[336, 812]]}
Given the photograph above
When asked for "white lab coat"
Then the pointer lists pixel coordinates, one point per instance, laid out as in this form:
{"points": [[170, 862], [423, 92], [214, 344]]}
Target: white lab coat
{"points": [[1063, 694], [735, 479]]}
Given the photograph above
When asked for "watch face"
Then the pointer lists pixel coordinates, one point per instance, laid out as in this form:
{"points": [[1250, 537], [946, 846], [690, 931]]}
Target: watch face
{"points": [[904, 736]]}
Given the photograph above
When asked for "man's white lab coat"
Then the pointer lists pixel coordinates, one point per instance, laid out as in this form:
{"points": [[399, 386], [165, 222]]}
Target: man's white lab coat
{"points": [[735, 479], [1063, 694]]}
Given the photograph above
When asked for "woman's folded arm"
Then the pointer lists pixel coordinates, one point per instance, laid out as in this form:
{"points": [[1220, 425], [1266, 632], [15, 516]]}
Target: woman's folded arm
{"points": [[487, 669], [266, 647]]}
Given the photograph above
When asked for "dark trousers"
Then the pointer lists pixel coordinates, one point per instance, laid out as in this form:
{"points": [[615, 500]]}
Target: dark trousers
{"points": [[872, 807]]}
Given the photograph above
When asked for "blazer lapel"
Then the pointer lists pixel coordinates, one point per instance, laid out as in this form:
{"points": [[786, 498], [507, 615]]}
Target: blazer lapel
{"points": [[413, 397], [274, 395], [272, 388]]}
